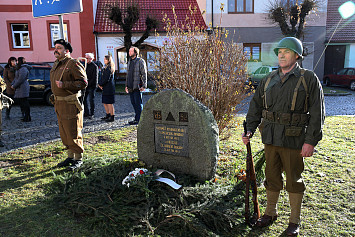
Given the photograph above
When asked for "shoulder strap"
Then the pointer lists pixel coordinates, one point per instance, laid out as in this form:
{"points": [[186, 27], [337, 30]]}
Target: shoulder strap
{"points": [[266, 85], [303, 81], [61, 75], [65, 66]]}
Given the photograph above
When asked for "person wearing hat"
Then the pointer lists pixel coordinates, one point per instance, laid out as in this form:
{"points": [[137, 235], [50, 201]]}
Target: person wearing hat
{"points": [[68, 78], [288, 108]]}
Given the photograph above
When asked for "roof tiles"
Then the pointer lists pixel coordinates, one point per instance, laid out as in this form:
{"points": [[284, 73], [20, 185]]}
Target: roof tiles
{"points": [[345, 32], [153, 8]]}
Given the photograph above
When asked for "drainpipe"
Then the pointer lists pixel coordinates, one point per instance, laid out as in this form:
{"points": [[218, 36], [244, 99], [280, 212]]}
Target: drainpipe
{"points": [[212, 12]]}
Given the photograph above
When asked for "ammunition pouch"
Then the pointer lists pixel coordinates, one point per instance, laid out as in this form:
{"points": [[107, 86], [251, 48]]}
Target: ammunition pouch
{"points": [[71, 99], [289, 119]]}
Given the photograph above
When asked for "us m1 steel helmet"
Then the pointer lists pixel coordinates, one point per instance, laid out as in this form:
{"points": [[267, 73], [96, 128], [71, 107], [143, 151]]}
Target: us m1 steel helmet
{"points": [[290, 43]]}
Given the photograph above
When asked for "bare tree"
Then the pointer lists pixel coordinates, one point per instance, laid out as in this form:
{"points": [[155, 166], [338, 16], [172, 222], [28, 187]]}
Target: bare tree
{"points": [[127, 18], [294, 11]]}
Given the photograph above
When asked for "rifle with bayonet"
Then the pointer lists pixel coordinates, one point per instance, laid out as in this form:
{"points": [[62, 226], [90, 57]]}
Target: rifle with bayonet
{"points": [[250, 181]]}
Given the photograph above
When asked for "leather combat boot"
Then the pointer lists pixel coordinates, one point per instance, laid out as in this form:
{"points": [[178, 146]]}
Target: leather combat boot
{"points": [[75, 165], [292, 229], [65, 163], [265, 220]]}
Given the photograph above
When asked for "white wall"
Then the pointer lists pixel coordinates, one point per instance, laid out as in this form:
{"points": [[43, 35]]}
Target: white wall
{"points": [[350, 56], [111, 43]]}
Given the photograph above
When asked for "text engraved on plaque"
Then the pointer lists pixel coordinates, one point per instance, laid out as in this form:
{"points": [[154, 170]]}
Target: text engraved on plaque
{"points": [[171, 139]]}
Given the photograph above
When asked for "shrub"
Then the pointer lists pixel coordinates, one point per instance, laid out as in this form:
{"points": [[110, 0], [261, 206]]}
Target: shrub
{"points": [[204, 65]]}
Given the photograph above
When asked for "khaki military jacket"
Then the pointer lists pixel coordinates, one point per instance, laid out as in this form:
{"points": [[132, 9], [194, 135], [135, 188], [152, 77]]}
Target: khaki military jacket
{"points": [[74, 76], [278, 102]]}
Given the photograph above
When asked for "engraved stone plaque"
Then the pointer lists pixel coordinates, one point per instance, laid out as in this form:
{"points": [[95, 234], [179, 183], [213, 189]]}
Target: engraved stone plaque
{"points": [[171, 139], [178, 133]]}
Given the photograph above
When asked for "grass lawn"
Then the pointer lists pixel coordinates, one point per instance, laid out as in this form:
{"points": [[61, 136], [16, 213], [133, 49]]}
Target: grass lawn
{"points": [[335, 90], [37, 199]]}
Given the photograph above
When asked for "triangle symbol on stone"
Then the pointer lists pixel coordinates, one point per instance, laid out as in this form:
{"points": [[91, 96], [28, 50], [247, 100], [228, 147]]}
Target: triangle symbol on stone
{"points": [[170, 117]]}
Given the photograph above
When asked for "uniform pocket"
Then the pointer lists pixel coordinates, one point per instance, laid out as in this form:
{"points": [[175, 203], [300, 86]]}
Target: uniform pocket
{"points": [[293, 131]]}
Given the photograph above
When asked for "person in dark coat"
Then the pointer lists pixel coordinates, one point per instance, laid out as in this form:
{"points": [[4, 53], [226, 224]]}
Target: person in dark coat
{"points": [[9, 76], [136, 82], [107, 85], [92, 75], [22, 88]]}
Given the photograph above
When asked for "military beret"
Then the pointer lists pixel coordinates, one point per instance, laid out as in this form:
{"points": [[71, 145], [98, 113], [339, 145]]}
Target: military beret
{"points": [[66, 45]]}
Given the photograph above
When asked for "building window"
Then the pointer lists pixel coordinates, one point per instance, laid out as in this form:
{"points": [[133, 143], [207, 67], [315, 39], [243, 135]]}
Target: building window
{"points": [[252, 51], [240, 6], [20, 36], [55, 33]]}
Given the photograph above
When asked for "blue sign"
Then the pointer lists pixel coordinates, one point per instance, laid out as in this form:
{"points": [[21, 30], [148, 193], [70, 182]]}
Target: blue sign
{"points": [[41, 8]]}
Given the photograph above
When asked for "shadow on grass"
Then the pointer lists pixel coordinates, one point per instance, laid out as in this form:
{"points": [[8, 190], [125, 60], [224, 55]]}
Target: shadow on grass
{"points": [[41, 219], [22, 180], [97, 195]]}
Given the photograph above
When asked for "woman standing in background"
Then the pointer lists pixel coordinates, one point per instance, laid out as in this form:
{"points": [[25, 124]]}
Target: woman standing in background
{"points": [[107, 85], [22, 88], [9, 76]]}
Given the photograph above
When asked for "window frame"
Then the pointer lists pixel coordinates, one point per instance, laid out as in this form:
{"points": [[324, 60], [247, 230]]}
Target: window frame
{"points": [[244, 7], [49, 32], [251, 45], [12, 47]]}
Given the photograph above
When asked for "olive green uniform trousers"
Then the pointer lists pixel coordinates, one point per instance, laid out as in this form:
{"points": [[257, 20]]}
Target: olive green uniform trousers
{"points": [[279, 159]]}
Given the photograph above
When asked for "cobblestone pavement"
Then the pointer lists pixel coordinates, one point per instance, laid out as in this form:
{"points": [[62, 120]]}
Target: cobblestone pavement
{"points": [[44, 125]]}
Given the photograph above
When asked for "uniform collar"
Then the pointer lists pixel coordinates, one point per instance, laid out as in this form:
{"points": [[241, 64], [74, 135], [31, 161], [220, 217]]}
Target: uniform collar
{"points": [[63, 60], [295, 71]]}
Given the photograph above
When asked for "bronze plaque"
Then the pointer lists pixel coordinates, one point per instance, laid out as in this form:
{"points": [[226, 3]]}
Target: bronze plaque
{"points": [[171, 139]]}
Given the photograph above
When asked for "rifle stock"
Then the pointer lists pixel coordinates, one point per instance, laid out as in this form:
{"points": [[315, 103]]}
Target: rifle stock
{"points": [[250, 181]]}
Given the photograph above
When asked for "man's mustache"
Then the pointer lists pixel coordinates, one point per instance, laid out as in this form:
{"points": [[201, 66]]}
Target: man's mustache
{"points": [[55, 52]]}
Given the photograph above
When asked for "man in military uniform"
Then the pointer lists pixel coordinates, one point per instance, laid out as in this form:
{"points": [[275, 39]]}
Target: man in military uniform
{"points": [[68, 78], [290, 104]]}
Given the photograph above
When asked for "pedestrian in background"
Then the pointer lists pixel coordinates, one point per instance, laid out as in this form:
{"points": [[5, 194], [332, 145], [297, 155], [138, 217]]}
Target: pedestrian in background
{"points": [[9, 76], [68, 79], [290, 103], [22, 88], [92, 75], [107, 85], [136, 82]]}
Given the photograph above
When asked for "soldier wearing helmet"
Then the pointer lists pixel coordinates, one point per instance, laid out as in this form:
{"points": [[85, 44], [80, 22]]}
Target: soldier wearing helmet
{"points": [[289, 107]]}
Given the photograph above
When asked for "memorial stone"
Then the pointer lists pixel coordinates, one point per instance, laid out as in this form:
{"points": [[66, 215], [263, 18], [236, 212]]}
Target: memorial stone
{"points": [[178, 133]]}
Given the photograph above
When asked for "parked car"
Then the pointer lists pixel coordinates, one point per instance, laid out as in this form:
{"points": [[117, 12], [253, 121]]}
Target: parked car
{"points": [[255, 78], [344, 77], [40, 85]]}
